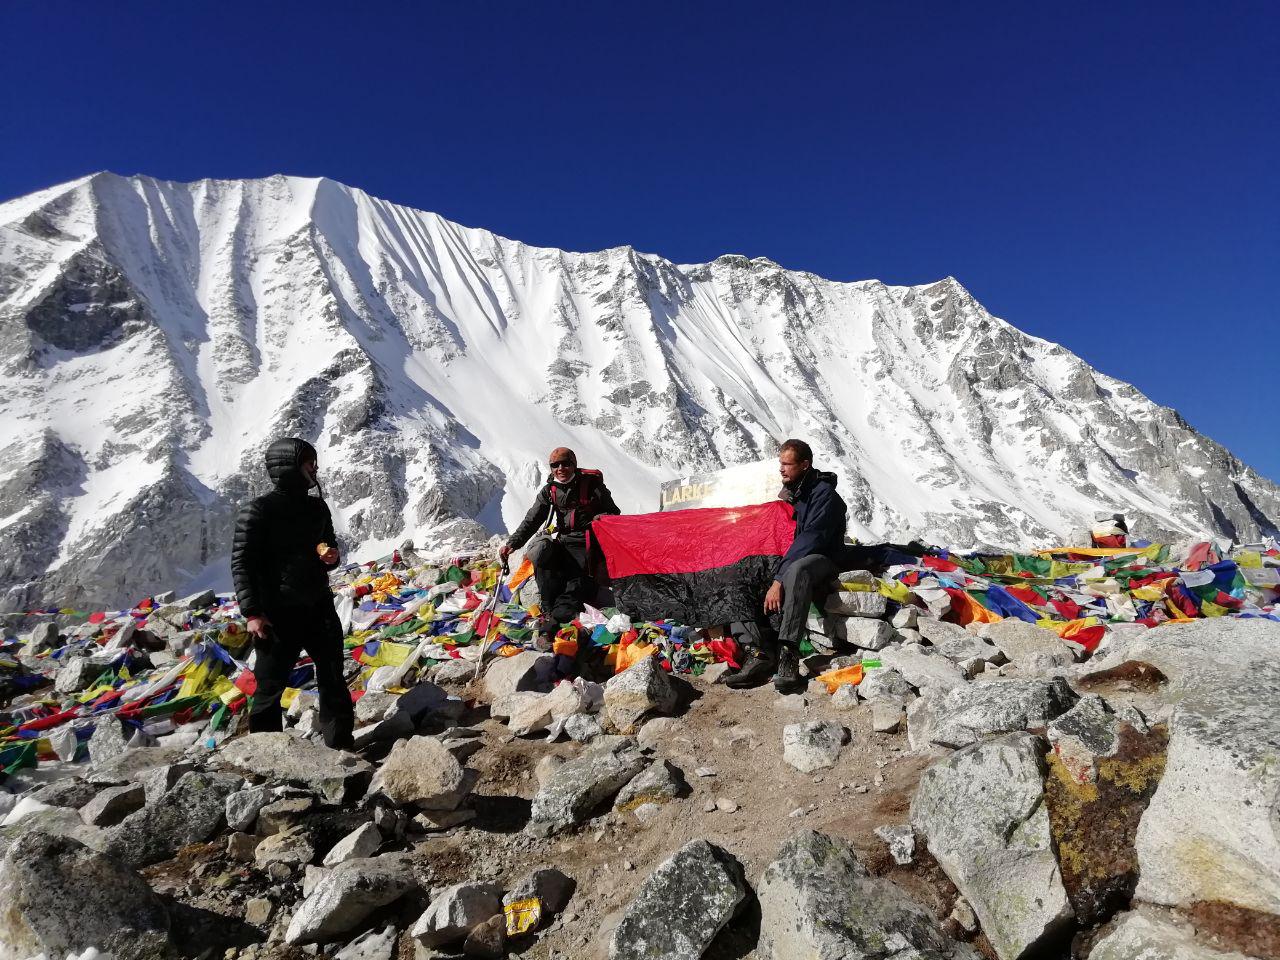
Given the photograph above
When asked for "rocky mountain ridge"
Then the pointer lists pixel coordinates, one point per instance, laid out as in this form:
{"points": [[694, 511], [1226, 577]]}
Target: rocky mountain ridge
{"points": [[155, 336]]}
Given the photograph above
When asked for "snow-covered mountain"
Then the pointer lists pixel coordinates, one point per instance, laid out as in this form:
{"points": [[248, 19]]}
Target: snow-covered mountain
{"points": [[155, 336]]}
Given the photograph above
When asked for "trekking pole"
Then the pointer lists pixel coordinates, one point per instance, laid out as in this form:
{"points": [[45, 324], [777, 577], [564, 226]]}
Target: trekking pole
{"points": [[489, 606]]}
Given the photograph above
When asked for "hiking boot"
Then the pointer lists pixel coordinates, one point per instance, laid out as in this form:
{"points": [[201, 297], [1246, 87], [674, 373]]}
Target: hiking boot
{"points": [[544, 634], [757, 670], [787, 679]]}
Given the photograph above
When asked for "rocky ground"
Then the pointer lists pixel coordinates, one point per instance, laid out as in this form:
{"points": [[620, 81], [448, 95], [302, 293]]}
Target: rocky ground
{"points": [[979, 793]]}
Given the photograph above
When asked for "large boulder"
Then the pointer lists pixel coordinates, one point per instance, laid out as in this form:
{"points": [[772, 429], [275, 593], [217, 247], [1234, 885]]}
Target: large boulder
{"points": [[982, 813], [884, 682], [281, 756], [967, 714], [1149, 936], [78, 673], [814, 745], [1029, 647], [60, 898], [661, 782], [422, 771], [642, 689], [457, 911], [109, 740], [922, 667], [114, 804], [856, 603], [681, 906], [528, 670], [193, 811], [1086, 733], [347, 894], [818, 900], [43, 637], [576, 788]]}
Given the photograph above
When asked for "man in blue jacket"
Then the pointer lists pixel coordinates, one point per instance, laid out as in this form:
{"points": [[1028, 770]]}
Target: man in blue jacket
{"points": [[806, 574]]}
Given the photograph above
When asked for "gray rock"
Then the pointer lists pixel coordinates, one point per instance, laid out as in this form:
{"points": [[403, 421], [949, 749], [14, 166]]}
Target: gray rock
{"points": [[242, 807], [1150, 936], [488, 939], [455, 912], [131, 765], [967, 714], [159, 780], [198, 601], [937, 632], [453, 671], [1082, 735], [583, 728], [374, 945], [814, 745], [982, 813], [866, 634], [292, 846], [1027, 645], [359, 844], [437, 821], [524, 672], [884, 682], [845, 697], [76, 675], [395, 727], [642, 689], [113, 804], [423, 772], [856, 603], [71, 792], [421, 700], [193, 811], [62, 898], [922, 667], [659, 782], [817, 900], [901, 840], [551, 887], [281, 756], [527, 712], [577, 787], [681, 906], [967, 647], [284, 810], [659, 731], [906, 618], [886, 714], [373, 706], [347, 894], [43, 637]]}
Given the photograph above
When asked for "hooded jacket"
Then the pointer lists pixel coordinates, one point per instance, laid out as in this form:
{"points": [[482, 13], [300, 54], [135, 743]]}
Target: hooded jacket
{"points": [[575, 503], [821, 516], [274, 562]]}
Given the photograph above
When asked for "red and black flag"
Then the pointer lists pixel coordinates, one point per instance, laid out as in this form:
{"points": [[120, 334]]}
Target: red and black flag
{"points": [[697, 567]]}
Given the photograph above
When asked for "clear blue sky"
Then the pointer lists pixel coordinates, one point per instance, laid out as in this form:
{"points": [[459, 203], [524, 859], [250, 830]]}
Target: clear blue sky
{"points": [[1102, 175]]}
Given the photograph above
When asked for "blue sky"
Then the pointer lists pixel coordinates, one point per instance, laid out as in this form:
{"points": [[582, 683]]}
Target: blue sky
{"points": [[1102, 175]]}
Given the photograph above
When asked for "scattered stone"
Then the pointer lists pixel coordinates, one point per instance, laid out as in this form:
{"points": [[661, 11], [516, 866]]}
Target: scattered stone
{"points": [[347, 894], [113, 804], [867, 634], [453, 671], [814, 745], [583, 728], [884, 682], [714, 672], [546, 766], [636, 692], [489, 939], [682, 905], [905, 617], [709, 805], [130, 765], [726, 805], [242, 807], [71, 792], [1149, 936], [704, 772], [857, 603], [886, 714], [258, 910], [901, 840], [78, 673], [551, 887], [526, 712], [1084, 733], [963, 916], [660, 782], [1028, 646], [160, 780], [455, 912], [395, 727], [110, 739], [241, 847], [977, 710], [922, 667], [43, 637], [845, 697], [422, 700], [61, 898], [361, 843], [374, 945], [526, 671], [191, 812], [999, 852], [818, 900], [197, 601], [422, 772], [580, 785], [373, 706], [658, 731], [280, 756], [438, 821], [292, 846]]}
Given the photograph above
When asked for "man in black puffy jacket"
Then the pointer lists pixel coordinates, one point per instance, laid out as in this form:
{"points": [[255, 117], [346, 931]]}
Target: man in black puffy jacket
{"points": [[561, 514], [283, 551]]}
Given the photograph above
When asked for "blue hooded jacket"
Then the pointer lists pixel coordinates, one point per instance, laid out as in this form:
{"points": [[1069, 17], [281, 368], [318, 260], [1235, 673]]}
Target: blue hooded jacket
{"points": [[821, 515]]}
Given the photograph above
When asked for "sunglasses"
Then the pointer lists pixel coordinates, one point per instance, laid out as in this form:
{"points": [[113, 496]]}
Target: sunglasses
{"points": [[559, 464]]}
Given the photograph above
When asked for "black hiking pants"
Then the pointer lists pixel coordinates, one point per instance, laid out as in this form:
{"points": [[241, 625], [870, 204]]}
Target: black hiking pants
{"points": [[809, 580], [318, 631], [563, 583]]}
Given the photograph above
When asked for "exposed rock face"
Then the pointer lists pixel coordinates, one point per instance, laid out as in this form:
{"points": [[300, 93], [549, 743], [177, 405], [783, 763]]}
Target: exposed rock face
{"points": [[275, 299], [817, 900], [977, 710], [982, 813], [194, 810], [682, 905], [60, 898]]}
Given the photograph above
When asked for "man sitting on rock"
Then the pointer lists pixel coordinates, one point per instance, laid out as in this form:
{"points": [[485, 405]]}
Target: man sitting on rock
{"points": [[283, 549], [806, 574], [560, 516]]}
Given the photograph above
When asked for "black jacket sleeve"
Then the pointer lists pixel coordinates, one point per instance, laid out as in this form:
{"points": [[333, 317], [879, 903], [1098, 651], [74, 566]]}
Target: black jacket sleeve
{"points": [[825, 513], [532, 520], [248, 549], [330, 537]]}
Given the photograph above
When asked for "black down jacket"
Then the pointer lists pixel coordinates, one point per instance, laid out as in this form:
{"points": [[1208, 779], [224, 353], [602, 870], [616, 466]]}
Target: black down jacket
{"points": [[576, 504], [274, 562]]}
